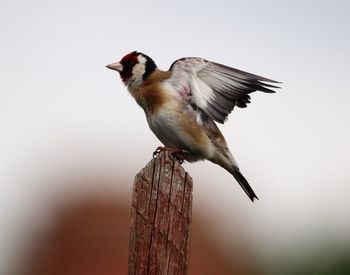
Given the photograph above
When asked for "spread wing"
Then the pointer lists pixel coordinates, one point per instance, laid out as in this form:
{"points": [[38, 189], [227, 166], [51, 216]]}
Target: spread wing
{"points": [[215, 88]]}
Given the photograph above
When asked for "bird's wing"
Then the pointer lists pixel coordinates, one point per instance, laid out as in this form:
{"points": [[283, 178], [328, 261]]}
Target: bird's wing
{"points": [[214, 88]]}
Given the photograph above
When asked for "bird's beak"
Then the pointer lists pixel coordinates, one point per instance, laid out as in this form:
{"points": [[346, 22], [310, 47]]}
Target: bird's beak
{"points": [[115, 66]]}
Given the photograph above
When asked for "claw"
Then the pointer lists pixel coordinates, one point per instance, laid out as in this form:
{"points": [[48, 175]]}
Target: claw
{"points": [[176, 153], [158, 151]]}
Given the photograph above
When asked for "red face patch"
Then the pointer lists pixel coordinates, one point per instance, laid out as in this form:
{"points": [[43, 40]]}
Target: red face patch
{"points": [[130, 57], [128, 62]]}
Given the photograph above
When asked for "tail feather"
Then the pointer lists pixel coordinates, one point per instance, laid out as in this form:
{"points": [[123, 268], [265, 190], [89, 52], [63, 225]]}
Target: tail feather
{"points": [[225, 159], [244, 184]]}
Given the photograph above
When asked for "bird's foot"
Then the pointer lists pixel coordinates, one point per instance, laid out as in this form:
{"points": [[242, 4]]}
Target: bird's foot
{"points": [[158, 151], [176, 153]]}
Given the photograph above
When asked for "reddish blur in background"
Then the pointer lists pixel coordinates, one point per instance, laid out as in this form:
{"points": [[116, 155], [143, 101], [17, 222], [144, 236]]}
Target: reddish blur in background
{"points": [[88, 235]]}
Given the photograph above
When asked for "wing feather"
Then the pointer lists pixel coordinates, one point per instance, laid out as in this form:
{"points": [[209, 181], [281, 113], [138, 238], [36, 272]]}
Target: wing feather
{"points": [[216, 89]]}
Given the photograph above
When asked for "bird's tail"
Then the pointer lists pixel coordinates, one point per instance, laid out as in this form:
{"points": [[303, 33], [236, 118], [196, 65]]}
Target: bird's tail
{"points": [[243, 183], [227, 162]]}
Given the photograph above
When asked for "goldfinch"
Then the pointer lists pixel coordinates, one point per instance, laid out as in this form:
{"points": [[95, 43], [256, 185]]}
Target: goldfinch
{"points": [[182, 104]]}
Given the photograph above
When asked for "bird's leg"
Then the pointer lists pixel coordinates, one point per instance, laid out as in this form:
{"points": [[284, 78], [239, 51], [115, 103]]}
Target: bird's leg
{"points": [[176, 153], [158, 151]]}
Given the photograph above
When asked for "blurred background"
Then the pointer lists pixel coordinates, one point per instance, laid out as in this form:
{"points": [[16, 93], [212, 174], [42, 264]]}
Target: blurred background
{"points": [[72, 138]]}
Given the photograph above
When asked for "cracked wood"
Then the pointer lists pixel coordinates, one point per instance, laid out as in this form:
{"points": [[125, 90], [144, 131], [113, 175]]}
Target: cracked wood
{"points": [[160, 218]]}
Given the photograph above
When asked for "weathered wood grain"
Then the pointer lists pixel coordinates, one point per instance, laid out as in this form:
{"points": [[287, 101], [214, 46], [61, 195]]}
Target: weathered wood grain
{"points": [[161, 216]]}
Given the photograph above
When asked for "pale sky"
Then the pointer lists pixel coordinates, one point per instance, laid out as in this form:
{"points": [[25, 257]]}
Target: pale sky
{"points": [[62, 110]]}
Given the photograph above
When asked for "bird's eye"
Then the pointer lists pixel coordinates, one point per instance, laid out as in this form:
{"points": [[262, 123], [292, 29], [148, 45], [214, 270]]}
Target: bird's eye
{"points": [[129, 63]]}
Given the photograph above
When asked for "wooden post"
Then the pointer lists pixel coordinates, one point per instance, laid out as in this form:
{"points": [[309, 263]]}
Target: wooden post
{"points": [[161, 218]]}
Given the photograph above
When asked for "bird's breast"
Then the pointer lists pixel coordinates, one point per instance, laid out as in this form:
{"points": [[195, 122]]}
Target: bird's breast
{"points": [[165, 123], [171, 119], [176, 127]]}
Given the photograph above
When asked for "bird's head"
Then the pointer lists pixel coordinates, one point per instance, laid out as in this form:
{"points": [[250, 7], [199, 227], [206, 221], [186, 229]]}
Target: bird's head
{"points": [[134, 68]]}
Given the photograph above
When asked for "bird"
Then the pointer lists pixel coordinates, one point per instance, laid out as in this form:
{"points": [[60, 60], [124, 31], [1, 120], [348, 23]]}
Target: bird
{"points": [[183, 104]]}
